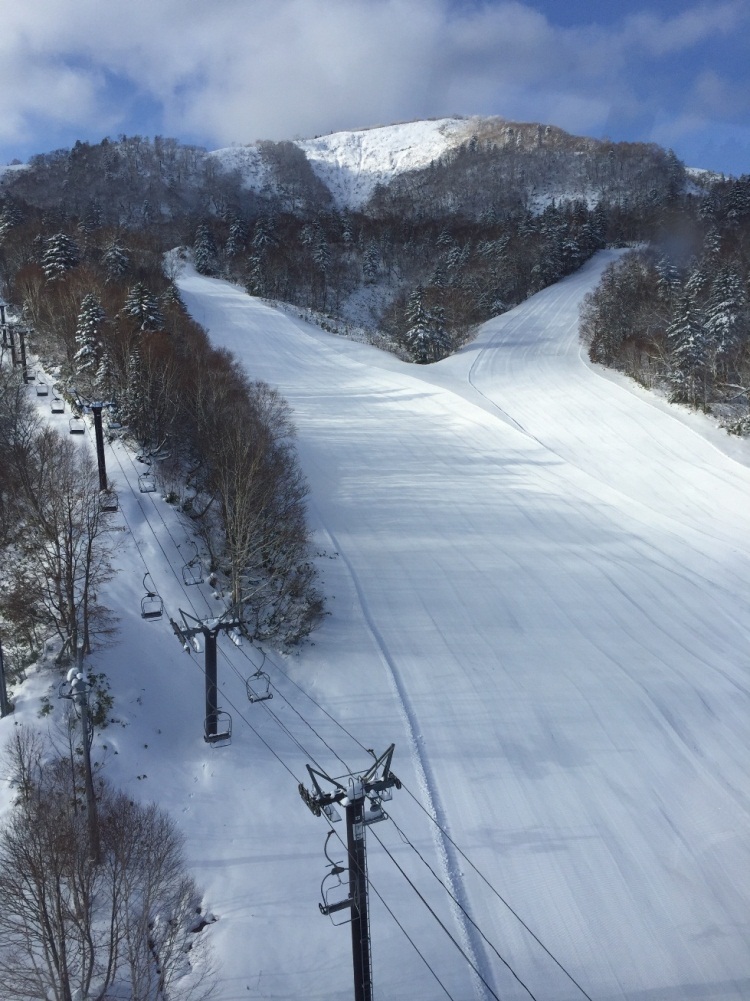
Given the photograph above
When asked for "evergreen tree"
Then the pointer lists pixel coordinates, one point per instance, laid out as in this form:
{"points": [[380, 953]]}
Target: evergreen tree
{"points": [[237, 239], [61, 254], [88, 334], [115, 262], [204, 252], [689, 353], [144, 308], [104, 380], [727, 319], [426, 337]]}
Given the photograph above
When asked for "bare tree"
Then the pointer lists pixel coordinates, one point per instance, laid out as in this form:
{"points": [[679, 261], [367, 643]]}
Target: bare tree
{"points": [[70, 928], [61, 554]]}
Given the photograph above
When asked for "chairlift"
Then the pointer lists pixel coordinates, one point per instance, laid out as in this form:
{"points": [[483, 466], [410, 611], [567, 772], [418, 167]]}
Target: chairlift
{"points": [[77, 425], [220, 723], [334, 891], [113, 421], [152, 607], [192, 572], [57, 405], [108, 500], [146, 483], [259, 685], [42, 389]]}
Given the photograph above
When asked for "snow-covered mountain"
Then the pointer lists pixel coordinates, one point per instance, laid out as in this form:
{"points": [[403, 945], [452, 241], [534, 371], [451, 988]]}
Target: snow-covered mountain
{"points": [[352, 164]]}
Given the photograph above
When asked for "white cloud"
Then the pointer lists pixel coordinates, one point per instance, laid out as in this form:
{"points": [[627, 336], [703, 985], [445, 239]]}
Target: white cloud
{"points": [[236, 70]]}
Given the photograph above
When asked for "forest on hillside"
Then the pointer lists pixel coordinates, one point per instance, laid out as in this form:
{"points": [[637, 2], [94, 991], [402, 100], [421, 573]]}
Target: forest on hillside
{"points": [[675, 315]]}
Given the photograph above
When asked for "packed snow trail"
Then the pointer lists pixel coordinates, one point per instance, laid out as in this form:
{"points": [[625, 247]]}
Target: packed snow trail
{"points": [[558, 571]]}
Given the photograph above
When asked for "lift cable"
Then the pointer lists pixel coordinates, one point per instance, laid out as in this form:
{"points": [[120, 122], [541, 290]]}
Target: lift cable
{"points": [[499, 896], [273, 715], [447, 836], [298, 713], [279, 722], [436, 917], [458, 904]]}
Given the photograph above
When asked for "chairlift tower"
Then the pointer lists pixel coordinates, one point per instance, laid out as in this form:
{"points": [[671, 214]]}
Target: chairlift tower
{"points": [[95, 407], [362, 796], [218, 724]]}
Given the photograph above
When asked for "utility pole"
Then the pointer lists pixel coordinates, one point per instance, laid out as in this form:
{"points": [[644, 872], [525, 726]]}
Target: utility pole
{"points": [[79, 690], [362, 796], [209, 629]]}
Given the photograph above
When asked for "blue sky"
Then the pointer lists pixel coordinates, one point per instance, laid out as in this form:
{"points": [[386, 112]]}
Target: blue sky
{"points": [[219, 72]]}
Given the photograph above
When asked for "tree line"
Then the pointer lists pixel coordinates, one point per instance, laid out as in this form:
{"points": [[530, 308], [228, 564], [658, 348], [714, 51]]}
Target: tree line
{"points": [[104, 316], [676, 315]]}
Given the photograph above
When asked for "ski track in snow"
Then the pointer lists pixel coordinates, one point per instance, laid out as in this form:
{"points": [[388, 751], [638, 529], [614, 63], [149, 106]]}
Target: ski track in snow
{"points": [[446, 853]]}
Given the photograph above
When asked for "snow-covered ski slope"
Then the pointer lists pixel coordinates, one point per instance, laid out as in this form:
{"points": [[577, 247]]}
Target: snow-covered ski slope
{"points": [[539, 590]]}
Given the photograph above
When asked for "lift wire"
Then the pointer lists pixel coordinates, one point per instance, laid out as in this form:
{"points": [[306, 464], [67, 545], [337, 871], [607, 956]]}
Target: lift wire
{"points": [[445, 834], [274, 716], [337, 756], [279, 722], [437, 918], [298, 713], [167, 529], [319, 706], [499, 896], [458, 904]]}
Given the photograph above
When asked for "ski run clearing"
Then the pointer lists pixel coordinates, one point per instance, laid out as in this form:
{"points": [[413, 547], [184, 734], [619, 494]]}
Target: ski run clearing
{"points": [[537, 582]]}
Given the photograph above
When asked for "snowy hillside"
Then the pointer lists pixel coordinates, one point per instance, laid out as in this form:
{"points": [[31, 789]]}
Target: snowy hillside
{"points": [[352, 164], [537, 587]]}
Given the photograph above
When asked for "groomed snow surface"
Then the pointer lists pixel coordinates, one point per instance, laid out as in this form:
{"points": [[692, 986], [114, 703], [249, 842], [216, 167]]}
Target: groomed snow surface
{"points": [[538, 590]]}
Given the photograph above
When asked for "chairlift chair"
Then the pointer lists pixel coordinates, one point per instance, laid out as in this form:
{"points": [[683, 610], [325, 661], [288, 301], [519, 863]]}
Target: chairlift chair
{"points": [[42, 389], [152, 607], [108, 500], [221, 723], [57, 405], [146, 483], [77, 425], [259, 687], [334, 891], [192, 572]]}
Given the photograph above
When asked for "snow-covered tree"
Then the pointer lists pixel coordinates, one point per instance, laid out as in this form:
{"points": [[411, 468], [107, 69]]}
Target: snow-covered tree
{"points": [[727, 318], [143, 307], [88, 334], [61, 254], [204, 251], [689, 353], [237, 239], [115, 262], [427, 337]]}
